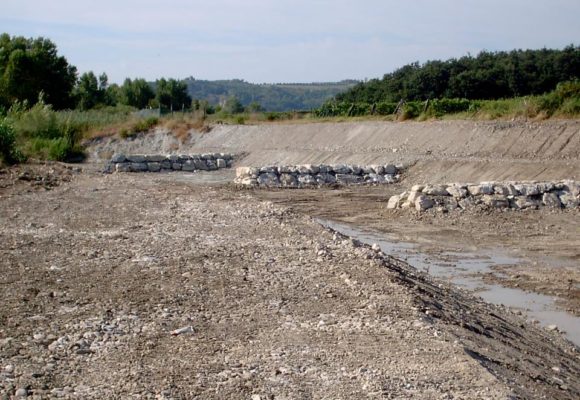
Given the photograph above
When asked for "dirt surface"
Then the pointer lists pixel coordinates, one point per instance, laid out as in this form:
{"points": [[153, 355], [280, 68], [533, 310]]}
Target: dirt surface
{"points": [[157, 286], [548, 240]]}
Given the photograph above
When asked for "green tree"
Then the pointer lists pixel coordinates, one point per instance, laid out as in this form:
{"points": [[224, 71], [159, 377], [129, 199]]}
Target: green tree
{"points": [[136, 93], [254, 107], [31, 66], [232, 105], [489, 75], [87, 91], [172, 94]]}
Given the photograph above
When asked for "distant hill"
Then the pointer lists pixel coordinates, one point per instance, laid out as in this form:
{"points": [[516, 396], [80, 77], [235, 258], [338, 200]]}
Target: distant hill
{"points": [[272, 97]]}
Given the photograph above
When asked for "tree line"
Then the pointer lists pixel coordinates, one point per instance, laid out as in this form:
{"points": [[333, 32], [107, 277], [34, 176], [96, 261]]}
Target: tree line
{"points": [[31, 68], [487, 76]]}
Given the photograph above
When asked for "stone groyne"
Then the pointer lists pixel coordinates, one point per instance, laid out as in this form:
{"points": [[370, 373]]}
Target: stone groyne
{"points": [[309, 175], [499, 195], [172, 162]]}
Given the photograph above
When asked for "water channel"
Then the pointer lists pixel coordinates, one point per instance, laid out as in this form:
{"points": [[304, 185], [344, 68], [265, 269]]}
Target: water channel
{"points": [[464, 269]]}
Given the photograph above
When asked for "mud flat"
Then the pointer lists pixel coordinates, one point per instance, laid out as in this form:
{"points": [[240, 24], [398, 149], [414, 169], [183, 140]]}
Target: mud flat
{"points": [[143, 285]]}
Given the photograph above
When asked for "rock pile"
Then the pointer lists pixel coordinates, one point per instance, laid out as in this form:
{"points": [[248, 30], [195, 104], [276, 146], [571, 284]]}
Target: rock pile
{"points": [[515, 195], [156, 162], [308, 175]]}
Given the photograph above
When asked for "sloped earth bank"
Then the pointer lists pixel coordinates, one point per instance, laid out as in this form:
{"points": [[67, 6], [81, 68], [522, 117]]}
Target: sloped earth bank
{"points": [[439, 151], [152, 286]]}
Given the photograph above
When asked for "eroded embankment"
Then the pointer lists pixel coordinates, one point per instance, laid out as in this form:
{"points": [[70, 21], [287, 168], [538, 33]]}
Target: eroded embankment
{"points": [[439, 151]]}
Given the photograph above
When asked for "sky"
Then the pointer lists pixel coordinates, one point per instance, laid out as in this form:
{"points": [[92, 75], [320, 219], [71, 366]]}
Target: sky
{"points": [[283, 41]]}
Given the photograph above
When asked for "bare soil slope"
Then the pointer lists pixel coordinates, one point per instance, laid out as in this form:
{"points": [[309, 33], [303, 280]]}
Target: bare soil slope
{"points": [[439, 150]]}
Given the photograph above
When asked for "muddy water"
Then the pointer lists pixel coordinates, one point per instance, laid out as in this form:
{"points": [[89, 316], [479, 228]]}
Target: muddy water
{"points": [[464, 269]]}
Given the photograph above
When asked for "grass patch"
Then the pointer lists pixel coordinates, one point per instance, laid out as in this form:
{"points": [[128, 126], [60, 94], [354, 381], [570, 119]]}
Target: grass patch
{"points": [[45, 134]]}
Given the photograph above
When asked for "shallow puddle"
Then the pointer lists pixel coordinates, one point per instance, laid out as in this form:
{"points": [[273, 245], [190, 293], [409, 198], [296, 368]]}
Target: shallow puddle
{"points": [[462, 269]]}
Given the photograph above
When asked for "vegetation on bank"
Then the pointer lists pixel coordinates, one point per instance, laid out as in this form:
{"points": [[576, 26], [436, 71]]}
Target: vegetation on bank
{"points": [[44, 133], [564, 101], [47, 110]]}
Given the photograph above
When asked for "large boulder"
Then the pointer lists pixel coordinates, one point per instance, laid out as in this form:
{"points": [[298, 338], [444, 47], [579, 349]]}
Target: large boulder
{"points": [[123, 167], [527, 189], [423, 203], [324, 179], [118, 158], [523, 202], [458, 192], [568, 200], [200, 164], [378, 169], [482, 188], [394, 202], [414, 195], [496, 201], [154, 166], [436, 190], [248, 181], [221, 163], [390, 169], [138, 167], [154, 158], [211, 165], [268, 179], [307, 169], [188, 165], [390, 178], [551, 200], [341, 169], [247, 172], [288, 180], [136, 158], [306, 180], [356, 170], [348, 179], [269, 169], [375, 178], [287, 169]]}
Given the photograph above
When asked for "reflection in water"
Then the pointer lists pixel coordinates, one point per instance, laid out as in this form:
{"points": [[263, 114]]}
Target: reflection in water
{"points": [[460, 268]]}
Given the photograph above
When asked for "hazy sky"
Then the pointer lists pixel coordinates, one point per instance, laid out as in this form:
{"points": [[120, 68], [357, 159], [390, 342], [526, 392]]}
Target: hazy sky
{"points": [[284, 41]]}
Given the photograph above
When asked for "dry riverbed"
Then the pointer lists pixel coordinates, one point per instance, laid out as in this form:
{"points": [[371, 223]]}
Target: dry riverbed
{"points": [[151, 286]]}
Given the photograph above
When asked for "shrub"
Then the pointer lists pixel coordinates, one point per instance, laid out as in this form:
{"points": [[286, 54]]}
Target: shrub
{"points": [[39, 121], [8, 151], [440, 107], [411, 109], [385, 108], [146, 124]]}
